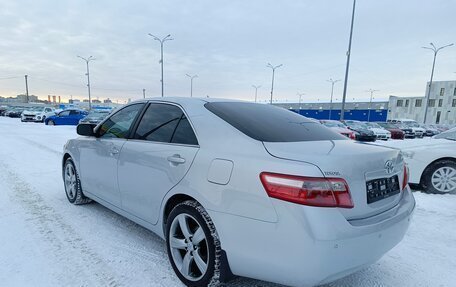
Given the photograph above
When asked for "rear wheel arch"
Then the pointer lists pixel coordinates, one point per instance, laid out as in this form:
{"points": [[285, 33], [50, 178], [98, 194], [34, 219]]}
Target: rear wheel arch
{"points": [[171, 203]]}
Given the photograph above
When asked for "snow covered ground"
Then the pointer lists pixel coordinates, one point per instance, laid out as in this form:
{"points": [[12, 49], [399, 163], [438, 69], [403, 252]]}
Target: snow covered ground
{"points": [[45, 241]]}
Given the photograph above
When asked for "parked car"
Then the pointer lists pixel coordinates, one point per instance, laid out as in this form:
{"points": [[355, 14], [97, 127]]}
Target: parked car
{"points": [[95, 116], [396, 132], [380, 132], [14, 112], [363, 133], [271, 198], [340, 128], [432, 162], [37, 114], [416, 128], [66, 117], [430, 130], [3, 109]]}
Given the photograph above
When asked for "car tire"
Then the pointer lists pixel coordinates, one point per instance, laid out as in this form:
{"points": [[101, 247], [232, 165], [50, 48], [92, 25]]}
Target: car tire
{"points": [[50, 123], [440, 177], [195, 262], [72, 184]]}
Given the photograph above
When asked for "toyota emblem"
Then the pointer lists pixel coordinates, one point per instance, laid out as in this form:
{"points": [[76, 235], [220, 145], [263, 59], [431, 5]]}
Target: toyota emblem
{"points": [[389, 166]]}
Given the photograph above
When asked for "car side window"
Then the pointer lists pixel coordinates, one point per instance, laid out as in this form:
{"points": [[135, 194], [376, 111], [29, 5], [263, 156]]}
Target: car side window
{"points": [[184, 133], [64, 114], [48, 110], [158, 123], [73, 112], [119, 124]]}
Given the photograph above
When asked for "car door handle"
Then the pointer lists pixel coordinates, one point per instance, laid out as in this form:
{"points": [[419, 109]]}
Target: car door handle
{"points": [[176, 159]]}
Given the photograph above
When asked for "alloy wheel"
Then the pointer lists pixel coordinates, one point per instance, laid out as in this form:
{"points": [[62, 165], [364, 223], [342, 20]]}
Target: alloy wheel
{"points": [[189, 248], [70, 182], [444, 179]]}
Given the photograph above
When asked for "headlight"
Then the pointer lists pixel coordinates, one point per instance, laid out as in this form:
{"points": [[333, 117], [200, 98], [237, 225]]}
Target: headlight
{"points": [[408, 154]]}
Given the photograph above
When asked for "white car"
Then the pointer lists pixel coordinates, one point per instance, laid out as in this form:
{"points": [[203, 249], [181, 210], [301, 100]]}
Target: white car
{"points": [[37, 114], [246, 189], [432, 161], [381, 133]]}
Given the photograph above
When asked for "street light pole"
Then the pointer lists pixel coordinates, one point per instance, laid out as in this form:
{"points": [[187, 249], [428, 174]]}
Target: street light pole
{"points": [[256, 91], [435, 50], [87, 60], [370, 102], [300, 99], [344, 96], [273, 73], [332, 93], [167, 38], [26, 88], [191, 83]]}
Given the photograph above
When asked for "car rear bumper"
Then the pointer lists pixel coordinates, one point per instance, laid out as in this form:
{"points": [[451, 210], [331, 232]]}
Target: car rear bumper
{"points": [[309, 245]]}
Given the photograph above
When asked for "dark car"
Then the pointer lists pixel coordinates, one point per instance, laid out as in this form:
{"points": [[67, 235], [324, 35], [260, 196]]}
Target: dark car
{"points": [[363, 133], [396, 132], [66, 117], [15, 112], [95, 117], [3, 110]]}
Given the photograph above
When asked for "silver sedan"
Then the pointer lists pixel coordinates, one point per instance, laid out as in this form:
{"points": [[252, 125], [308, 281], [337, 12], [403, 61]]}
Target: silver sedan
{"points": [[243, 189]]}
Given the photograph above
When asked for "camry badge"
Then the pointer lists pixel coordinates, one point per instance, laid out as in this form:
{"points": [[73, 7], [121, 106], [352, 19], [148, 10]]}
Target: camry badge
{"points": [[389, 166]]}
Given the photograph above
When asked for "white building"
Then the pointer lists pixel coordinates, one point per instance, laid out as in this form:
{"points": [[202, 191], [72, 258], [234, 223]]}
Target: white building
{"points": [[441, 105]]}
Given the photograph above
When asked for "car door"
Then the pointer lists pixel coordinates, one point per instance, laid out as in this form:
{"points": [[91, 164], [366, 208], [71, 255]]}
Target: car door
{"points": [[99, 155], [61, 119], [155, 159]]}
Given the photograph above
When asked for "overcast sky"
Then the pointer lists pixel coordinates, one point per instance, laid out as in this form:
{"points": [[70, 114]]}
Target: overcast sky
{"points": [[227, 44]]}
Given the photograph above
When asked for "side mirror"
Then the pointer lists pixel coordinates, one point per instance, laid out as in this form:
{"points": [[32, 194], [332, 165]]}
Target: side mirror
{"points": [[86, 130]]}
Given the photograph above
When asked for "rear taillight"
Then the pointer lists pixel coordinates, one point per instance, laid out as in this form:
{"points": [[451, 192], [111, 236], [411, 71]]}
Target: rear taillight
{"points": [[406, 177], [352, 136], [313, 191]]}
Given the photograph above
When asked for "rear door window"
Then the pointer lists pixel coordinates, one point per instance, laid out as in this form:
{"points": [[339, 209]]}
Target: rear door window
{"points": [[270, 123], [165, 123]]}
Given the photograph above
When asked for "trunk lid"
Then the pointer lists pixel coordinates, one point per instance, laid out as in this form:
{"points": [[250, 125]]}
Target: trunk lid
{"points": [[355, 162]]}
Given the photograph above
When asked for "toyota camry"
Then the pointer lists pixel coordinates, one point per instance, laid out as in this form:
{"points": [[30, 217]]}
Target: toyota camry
{"points": [[243, 189]]}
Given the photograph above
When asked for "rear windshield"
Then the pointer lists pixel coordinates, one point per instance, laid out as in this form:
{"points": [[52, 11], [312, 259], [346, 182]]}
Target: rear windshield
{"points": [[270, 123]]}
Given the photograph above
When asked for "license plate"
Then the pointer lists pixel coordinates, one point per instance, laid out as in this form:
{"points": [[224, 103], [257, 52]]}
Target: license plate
{"points": [[378, 189]]}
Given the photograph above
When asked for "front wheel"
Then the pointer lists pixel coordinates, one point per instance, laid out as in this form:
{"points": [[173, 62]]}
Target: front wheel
{"points": [[73, 188], [193, 245], [440, 177], [51, 123]]}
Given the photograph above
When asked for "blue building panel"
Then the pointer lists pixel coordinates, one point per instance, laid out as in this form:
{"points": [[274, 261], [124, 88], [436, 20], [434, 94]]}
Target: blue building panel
{"points": [[358, 115]]}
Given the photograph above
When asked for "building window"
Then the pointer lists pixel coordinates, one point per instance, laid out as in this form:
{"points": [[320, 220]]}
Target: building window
{"points": [[454, 103], [442, 91], [431, 103], [454, 92], [406, 103], [440, 102], [399, 103], [418, 103]]}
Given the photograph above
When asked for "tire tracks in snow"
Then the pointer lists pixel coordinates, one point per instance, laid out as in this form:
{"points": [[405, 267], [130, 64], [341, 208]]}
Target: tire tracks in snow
{"points": [[63, 240]]}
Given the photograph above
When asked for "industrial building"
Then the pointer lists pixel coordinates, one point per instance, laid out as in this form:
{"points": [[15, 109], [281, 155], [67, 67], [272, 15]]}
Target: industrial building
{"points": [[441, 105], [361, 111]]}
